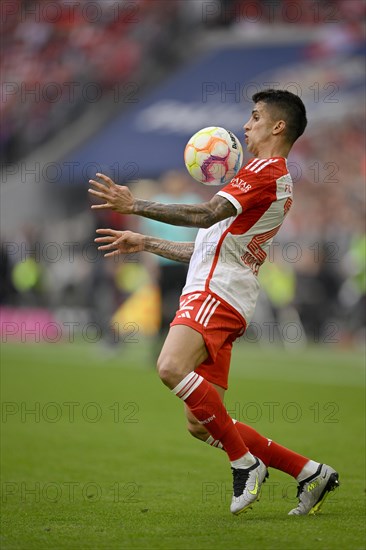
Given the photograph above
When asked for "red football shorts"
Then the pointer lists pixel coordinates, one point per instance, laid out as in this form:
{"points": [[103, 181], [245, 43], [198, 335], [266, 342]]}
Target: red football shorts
{"points": [[219, 325]]}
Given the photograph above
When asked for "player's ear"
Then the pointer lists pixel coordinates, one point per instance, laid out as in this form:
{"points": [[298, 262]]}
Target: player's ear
{"points": [[279, 127]]}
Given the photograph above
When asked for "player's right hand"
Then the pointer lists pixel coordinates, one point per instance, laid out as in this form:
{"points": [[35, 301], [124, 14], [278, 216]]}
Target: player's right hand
{"points": [[119, 242], [117, 197]]}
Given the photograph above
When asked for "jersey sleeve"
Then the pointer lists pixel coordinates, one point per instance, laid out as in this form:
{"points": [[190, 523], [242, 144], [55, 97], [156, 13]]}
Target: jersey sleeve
{"points": [[249, 188]]}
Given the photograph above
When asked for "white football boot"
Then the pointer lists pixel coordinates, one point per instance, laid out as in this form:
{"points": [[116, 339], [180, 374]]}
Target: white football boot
{"points": [[247, 485], [313, 491]]}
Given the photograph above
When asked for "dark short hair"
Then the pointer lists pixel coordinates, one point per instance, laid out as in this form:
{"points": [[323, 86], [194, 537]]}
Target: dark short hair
{"points": [[287, 105]]}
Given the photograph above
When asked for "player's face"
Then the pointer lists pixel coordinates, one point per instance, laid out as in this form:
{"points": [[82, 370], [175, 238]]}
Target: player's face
{"points": [[259, 127]]}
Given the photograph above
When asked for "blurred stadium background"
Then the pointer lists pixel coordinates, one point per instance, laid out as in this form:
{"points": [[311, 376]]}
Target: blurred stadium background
{"points": [[119, 87]]}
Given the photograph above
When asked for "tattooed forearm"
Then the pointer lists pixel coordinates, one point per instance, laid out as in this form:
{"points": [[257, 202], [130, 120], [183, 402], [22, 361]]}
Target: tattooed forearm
{"points": [[180, 252], [188, 215]]}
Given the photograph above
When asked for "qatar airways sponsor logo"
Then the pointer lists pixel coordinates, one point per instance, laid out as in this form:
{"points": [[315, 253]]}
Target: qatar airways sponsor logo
{"points": [[241, 184]]}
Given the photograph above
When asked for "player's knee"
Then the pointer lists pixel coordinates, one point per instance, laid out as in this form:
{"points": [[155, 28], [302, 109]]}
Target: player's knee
{"points": [[169, 369]]}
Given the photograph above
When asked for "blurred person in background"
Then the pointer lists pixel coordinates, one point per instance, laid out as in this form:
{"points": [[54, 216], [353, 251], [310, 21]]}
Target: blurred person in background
{"points": [[170, 276], [7, 289], [325, 265]]}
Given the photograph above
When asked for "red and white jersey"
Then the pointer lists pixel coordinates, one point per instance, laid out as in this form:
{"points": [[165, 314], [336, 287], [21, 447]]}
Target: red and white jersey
{"points": [[227, 255]]}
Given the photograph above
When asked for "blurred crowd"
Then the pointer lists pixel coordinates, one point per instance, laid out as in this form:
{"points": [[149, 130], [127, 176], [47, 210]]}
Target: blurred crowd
{"points": [[321, 247], [58, 62], [314, 277], [303, 12], [59, 58]]}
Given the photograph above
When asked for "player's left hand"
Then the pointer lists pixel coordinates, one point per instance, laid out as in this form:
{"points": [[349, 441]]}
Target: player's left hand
{"points": [[117, 197], [114, 242]]}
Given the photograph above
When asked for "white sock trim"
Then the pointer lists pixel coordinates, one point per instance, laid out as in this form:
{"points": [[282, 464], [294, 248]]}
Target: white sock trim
{"points": [[187, 385], [246, 461], [214, 442], [308, 470]]}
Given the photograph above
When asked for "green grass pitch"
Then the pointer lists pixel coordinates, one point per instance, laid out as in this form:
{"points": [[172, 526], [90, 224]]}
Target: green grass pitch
{"points": [[95, 454]]}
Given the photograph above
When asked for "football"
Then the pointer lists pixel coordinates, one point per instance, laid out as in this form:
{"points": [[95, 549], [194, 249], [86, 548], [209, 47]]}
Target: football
{"points": [[213, 156]]}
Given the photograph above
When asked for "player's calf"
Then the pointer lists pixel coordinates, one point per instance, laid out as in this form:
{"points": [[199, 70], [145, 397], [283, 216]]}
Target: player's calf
{"points": [[197, 431]]}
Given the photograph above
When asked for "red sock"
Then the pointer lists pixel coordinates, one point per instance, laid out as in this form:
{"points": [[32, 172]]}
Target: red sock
{"points": [[206, 405], [271, 453]]}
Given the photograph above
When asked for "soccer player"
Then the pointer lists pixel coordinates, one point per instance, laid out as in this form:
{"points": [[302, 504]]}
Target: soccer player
{"points": [[236, 229]]}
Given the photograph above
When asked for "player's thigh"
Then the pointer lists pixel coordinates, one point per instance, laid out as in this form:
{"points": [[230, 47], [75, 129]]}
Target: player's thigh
{"points": [[183, 350]]}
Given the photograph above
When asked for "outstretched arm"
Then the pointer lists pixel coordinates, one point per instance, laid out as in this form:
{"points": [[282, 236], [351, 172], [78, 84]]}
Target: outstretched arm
{"points": [[126, 242], [120, 199]]}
